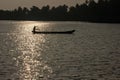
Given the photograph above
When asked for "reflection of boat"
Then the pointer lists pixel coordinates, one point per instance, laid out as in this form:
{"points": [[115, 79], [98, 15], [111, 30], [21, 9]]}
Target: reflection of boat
{"points": [[53, 32]]}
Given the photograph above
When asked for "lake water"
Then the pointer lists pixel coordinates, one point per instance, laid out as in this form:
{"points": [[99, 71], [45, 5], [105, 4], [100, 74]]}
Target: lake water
{"points": [[91, 53]]}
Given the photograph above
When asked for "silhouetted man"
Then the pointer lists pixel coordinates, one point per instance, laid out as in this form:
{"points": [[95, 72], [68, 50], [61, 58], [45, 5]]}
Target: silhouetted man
{"points": [[34, 29]]}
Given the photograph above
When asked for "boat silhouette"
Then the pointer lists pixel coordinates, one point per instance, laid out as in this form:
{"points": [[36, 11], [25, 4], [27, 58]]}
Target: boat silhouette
{"points": [[52, 32]]}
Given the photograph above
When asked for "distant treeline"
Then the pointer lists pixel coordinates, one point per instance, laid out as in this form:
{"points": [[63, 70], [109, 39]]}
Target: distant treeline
{"points": [[101, 11]]}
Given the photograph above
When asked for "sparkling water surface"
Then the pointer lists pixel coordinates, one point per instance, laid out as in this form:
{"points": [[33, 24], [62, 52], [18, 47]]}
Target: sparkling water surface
{"points": [[91, 53]]}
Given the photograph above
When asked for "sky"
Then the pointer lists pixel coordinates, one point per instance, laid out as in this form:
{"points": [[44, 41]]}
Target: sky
{"points": [[12, 4]]}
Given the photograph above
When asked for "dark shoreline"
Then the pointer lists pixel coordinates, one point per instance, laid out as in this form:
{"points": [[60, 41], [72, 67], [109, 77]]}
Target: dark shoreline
{"points": [[103, 11]]}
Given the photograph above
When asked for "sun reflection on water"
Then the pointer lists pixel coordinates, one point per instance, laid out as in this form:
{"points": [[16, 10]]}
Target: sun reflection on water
{"points": [[30, 63]]}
